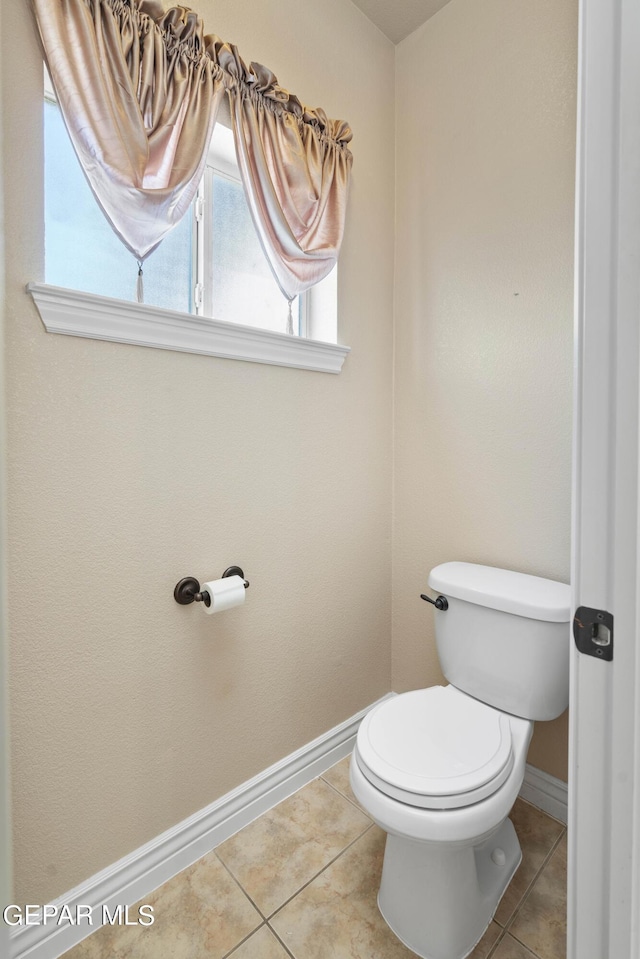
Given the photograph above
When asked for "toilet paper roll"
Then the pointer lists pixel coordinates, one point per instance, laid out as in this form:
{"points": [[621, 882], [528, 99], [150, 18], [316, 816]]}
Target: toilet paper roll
{"points": [[225, 593]]}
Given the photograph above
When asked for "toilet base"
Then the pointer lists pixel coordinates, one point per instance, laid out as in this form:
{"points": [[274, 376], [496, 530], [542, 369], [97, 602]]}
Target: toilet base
{"points": [[439, 898]]}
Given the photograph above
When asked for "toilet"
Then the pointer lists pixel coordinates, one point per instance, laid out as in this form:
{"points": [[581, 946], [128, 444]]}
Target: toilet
{"points": [[439, 769]]}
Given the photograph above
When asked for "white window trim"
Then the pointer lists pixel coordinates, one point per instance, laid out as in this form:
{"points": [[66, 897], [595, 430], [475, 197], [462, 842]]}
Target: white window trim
{"points": [[75, 313]]}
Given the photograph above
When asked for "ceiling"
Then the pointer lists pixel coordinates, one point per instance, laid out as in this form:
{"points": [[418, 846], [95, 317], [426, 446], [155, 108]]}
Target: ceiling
{"points": [[398, 18]]}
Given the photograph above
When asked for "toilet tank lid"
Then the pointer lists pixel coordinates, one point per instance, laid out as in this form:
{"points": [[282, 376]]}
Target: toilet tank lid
{"points": [[504, 590]]}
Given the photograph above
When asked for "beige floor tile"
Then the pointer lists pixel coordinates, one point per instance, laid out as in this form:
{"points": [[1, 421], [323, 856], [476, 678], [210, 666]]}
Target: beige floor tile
{"points": [[203, 912], [509, 948], [338, 777], [284, 849], [261, 945], [200, 912], [537, 833], [541, 922], [337, 914]]}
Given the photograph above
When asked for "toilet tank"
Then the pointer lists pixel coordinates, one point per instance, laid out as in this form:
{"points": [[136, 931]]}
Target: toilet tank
{"points": [[505, 638]]}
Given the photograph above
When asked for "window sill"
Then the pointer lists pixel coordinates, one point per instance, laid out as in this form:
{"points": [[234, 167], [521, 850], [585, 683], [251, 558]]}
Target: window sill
{"points": [[75, 313]]}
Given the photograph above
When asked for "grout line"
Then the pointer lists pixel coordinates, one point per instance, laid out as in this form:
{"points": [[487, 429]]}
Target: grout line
{"points": [[507, 927], [241, 888], [319, 873], [242, 941], [494, 947], [342, 795], [529, 889], [266, 916], [543, 811], [281, 941], [533, 881]]}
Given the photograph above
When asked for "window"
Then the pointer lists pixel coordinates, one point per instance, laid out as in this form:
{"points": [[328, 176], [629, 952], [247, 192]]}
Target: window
{"points": [[233, 278], [210, 265]]}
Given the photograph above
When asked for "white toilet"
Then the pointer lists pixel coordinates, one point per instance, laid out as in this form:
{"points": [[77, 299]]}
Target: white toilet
{"points": [[439, 769]]}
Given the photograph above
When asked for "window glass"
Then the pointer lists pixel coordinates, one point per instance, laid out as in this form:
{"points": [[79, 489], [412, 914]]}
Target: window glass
{"points": [[81, 250], [243, 287]]}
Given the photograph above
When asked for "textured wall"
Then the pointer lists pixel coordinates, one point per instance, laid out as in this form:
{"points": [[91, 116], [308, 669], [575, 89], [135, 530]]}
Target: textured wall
{"points": [[132, 467], [485, 121], [130, 713]]}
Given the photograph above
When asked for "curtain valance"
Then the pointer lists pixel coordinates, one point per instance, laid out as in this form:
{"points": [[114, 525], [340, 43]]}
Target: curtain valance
{"points": [[139, 89], [295, 165], [139, 99]]}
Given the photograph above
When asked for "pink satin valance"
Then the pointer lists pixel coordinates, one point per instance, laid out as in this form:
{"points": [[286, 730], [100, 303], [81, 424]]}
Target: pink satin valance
{"points": [[139, 99], [295, 165], [139, 89]]}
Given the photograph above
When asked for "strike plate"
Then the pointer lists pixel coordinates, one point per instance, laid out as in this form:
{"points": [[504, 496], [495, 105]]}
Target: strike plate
{"points": [[593, 632]]}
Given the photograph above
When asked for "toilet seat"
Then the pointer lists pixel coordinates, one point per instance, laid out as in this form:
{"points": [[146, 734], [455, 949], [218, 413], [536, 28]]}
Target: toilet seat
{"points": [[435, 748]]}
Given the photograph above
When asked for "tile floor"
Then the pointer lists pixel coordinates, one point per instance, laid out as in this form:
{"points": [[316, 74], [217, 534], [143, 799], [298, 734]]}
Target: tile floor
{"points": [[301, 881]]}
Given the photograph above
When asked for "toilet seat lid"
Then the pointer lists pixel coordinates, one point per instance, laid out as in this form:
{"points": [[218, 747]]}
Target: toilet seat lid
{"points": [[437, 748]]}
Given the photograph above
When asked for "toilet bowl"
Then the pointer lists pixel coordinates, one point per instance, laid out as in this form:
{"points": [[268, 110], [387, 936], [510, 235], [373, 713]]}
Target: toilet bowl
{"points": [[439, 769]]}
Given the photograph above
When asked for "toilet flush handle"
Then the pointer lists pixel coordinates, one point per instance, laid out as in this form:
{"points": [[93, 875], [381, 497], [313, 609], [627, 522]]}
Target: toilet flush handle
{"points": [[439, 603]]}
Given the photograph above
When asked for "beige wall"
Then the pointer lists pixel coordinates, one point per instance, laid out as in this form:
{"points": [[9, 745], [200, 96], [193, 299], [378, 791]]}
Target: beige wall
{"points": [[132, 467], [130, 713], [485, 122]]}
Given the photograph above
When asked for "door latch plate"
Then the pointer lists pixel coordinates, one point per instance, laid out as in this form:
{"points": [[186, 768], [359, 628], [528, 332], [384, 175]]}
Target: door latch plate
{"points": [[593, 632]]}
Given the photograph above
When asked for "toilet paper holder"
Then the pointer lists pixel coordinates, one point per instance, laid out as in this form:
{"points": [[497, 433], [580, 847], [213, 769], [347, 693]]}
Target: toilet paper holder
{"points": [[188, 589]]}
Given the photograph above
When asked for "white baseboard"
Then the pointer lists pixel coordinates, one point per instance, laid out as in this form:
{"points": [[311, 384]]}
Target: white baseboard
{"points": [[138, 874], [546, 792]]}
